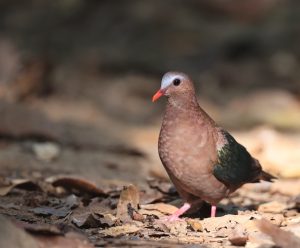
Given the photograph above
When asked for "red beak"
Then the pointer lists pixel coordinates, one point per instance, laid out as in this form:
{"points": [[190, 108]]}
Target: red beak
{"points": [[157, 95]]}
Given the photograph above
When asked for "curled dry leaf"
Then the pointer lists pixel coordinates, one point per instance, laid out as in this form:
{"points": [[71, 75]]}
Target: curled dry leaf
{"points": [[76, 185], [20, 183], [281, 238], [120, 230], [128, 203]]}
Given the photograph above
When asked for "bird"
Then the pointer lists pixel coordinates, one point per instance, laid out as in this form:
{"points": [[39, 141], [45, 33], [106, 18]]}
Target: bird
{"points": [[203, 160]]}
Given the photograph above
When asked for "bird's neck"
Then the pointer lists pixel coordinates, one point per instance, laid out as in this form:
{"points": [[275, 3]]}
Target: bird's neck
{"points": [[182, 103], [186, 107]]}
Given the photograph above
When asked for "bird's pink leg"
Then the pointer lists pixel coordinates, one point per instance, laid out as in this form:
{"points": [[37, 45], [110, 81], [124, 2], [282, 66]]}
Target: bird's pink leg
{"points": [[186, 206], [213, 211]]}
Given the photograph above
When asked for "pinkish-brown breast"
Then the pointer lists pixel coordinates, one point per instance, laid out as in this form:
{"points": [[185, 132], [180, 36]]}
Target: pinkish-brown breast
{"points": [[187, 148]]}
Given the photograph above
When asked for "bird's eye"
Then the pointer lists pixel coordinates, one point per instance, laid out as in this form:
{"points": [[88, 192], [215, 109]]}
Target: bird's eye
{"points": [[176, 81]]}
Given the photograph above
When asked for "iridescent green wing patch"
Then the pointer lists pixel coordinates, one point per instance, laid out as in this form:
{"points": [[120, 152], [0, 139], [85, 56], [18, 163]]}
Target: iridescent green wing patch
{"points": [[235, 164]]}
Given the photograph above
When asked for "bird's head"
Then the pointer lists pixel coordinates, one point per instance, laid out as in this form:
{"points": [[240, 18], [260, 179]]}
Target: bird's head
{"points": [[174, 83]]}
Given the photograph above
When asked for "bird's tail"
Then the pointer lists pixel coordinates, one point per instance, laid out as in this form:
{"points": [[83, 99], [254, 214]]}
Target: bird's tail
{"points": [[267, 177]]}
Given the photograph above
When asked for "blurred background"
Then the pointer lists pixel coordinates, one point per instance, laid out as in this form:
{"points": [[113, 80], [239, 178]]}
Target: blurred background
{"points": [[77, 77]]}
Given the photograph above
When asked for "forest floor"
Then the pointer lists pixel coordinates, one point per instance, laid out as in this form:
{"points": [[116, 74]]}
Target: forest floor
{"points": [[76, 172], [67, 211], [79, 165]]}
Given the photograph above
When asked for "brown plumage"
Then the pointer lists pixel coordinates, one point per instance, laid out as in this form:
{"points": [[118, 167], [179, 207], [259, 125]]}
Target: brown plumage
{"points": [[202, 160]]}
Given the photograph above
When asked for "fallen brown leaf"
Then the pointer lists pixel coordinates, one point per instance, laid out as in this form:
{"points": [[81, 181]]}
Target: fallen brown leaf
{"points": [[156, 213], [128, 203], [76, 185], [24, 183], [161, 207]]}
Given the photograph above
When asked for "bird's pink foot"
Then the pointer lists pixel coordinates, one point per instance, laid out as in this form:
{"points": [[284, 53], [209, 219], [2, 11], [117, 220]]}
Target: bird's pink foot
{"points": [[170, 218], [175, 217], [213, 211]]}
